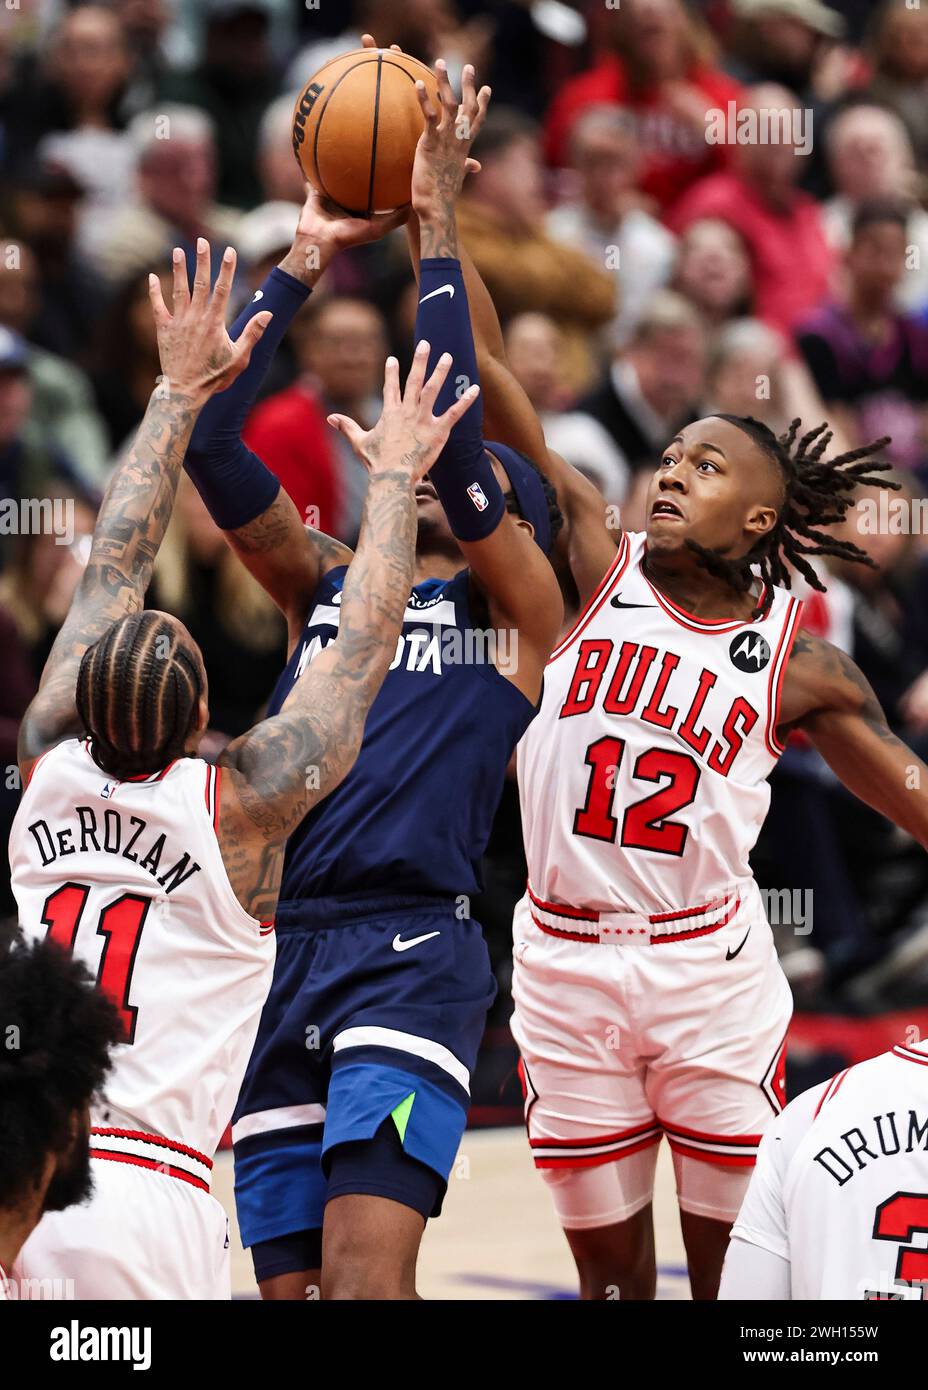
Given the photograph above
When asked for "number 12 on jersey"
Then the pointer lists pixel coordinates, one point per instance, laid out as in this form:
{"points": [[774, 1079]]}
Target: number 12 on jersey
{"points": [[646, 824]]}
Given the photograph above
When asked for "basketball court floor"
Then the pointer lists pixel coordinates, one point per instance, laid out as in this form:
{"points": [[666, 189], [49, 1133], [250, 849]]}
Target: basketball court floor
{"points": [[497, 1237]]}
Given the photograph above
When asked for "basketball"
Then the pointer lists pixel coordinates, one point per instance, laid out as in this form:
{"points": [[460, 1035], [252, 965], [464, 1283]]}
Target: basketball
{"points": [[356, 125]]}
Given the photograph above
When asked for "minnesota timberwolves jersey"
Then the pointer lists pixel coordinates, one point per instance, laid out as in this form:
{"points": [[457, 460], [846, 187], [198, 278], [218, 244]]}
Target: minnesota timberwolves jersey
{"points": [[414, 814]]}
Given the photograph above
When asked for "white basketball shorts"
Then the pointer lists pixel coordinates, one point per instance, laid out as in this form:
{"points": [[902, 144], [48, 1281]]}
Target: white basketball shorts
{"points": [[634, 1032], [143, 1235]]}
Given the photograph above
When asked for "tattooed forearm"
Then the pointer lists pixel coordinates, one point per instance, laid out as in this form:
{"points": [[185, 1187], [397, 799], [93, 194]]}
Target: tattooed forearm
{"points": [[438, 232], [130, 526], [290, 761]]}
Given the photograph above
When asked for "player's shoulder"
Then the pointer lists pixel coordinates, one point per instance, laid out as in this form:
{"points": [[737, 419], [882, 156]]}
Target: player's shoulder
{"points": [[69, 750]]}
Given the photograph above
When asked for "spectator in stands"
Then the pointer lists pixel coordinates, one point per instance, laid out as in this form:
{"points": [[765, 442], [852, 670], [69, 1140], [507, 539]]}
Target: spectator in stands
{"points": [[340, 347], [533, 349], [713, 271], [752, 372], [41, 573], [900, 56], [870, 156], [501, 222], [280, 174], [145, 26], [63, 409], [659, 68], [71, 113], [790, 42], [605, 220], [29, 464], [870, 363], [651, 388], [43, 204], [233, 82], [781, 226], [125, 361], [175, 159], [65, 1031], [238, 629], [428, 29]]}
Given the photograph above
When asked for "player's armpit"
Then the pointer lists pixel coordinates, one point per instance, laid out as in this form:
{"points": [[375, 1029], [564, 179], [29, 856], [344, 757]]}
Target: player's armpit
{"points": [[827, 696], [287, 558]]}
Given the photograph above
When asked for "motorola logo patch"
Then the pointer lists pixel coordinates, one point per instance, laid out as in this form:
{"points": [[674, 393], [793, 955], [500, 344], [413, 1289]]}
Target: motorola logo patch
{"points": [[749, 652]]}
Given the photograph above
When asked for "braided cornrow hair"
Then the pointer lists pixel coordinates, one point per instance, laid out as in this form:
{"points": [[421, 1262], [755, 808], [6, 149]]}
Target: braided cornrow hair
{"points": [[137, 694], [819, 492]]}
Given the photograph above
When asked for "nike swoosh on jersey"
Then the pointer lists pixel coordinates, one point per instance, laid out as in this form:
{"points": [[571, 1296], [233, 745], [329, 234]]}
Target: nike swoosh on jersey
{"points": [[258, 294], [442, 289], [620, 603], [400, 945], [730, 954]]}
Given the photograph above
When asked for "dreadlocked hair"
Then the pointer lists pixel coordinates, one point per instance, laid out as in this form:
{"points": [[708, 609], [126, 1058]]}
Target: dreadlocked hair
{"points": [[138, 690], [818, 492]]}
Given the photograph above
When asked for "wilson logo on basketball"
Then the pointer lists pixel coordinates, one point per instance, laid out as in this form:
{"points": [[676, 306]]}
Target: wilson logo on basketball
{"points": [[304, 106]]}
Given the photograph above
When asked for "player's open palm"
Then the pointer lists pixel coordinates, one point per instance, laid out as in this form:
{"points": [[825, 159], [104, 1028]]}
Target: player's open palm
{"points": [[197, 355], [442, 152], [408, 435]]}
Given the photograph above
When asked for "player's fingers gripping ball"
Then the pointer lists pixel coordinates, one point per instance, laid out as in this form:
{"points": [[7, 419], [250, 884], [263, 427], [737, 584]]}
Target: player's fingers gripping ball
{"points": [[356, 125]]}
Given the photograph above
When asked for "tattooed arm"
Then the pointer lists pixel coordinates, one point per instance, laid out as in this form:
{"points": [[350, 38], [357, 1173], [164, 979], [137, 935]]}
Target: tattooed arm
{"points": [[287, 558], [197, 359], [830, 699], [280, 769]]}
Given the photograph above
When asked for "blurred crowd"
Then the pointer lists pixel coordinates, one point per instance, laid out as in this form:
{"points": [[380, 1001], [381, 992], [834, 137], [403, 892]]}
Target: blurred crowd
{"points": [[645, 275]]}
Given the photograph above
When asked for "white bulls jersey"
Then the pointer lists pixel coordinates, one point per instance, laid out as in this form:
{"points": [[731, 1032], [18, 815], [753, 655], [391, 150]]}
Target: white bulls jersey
{"points": [[130, 877], [643, 777], [841, 1185]]}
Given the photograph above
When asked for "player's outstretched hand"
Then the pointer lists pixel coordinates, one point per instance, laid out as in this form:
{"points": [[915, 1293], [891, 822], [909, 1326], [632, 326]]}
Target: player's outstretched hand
{"points": [[442, 158], [198, 358], [408, 435], [324, 227]]}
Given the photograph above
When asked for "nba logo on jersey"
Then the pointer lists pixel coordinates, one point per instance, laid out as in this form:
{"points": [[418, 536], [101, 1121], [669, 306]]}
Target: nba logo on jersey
{"points": [[477, 495], [107, 790]]}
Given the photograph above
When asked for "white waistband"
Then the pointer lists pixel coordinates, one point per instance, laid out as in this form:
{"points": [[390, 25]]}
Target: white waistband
{"points": [[152, 1151], [623, 927]]}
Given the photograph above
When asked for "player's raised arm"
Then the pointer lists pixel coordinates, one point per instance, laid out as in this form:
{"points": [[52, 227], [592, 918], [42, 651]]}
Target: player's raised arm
{"points": [[438, 176], [242, 495], [510, 568], [197, 358], [283, 766]]}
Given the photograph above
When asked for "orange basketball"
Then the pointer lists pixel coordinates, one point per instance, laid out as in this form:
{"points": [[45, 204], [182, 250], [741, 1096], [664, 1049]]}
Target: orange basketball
{"points": [[356, 125]]}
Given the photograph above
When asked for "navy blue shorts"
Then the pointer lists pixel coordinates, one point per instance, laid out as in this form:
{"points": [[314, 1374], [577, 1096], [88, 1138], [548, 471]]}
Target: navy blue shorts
{"points": [[376, 1011]]}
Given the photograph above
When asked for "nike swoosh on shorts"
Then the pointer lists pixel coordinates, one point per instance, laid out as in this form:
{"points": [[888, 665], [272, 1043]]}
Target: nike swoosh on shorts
{"points": [[400, 945]]}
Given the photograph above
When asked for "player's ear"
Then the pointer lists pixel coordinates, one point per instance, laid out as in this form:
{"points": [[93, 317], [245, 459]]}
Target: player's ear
{"points": [[202, 721], [523, 524], [760, 520]]}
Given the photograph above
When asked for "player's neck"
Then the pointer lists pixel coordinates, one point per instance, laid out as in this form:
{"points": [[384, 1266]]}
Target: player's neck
{"points": [[437, 563], [693, 588]]}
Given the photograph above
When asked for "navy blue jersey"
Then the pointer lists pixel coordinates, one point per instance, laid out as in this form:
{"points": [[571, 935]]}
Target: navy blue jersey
{"points": [[414, 814]]}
